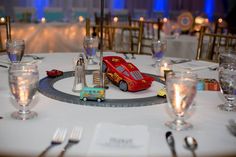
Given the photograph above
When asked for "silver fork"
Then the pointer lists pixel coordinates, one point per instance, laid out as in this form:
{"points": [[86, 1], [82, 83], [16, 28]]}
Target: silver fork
{"points": [[57, 139], [74, 138]]}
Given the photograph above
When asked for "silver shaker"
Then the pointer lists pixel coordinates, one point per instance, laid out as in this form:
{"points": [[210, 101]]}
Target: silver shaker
{"points": [[80, 79]]}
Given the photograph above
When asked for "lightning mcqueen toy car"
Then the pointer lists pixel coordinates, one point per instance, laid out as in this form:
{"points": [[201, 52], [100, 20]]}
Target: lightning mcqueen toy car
{"points": [[125, 75]]}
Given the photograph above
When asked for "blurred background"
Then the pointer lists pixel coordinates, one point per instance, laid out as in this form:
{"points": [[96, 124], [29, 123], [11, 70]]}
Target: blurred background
{"points": [[34, 10]]}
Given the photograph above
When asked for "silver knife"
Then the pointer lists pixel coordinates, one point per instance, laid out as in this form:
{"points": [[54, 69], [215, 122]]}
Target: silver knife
{"points": [[171, 142]]}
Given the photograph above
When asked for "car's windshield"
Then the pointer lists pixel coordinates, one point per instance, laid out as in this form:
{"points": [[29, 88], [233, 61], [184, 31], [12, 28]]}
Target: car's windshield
{"points": [[136, 75]]}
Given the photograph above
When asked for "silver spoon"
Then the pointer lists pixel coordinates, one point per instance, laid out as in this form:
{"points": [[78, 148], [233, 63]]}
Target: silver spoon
{"points": [[191, 144], [171, 142]]}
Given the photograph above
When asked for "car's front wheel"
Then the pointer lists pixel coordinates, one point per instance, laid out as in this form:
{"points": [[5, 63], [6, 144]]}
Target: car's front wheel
{"points": [[123, 86]]}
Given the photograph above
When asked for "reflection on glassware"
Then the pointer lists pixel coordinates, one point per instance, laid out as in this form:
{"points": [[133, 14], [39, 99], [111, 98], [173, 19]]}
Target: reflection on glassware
{"points": [[23, 83], [15, 50], [227, 78], [90, 46], [181, 90], [158, 51], [227, 57]]}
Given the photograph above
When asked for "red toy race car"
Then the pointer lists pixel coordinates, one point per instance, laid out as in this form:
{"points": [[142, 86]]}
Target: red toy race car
{"points": [[125, 75], [54, 73]]}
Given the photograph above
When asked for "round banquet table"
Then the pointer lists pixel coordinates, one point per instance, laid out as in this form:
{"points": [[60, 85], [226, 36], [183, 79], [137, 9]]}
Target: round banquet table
{"points": [[31, 137]]}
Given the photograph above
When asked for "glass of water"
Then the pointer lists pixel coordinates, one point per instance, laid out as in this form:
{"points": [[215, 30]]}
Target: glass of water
{"points": [[181, 91], [227, 78], [227, 57], [158, 51], [23, 82], [15, 50], [90, 47]]}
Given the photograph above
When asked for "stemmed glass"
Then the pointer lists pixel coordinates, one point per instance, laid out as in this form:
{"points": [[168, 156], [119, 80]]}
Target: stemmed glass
{"points": [[181, 90], [90, 46], [23, 83], [158, 51], [227, 79], [15, 50]]}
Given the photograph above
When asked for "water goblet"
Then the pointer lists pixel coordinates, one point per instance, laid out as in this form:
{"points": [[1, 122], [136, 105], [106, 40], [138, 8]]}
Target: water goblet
{"points": [[23, 82], [15, 50], [90, 46], [227, 57], [158, 51], [227, 79], [181, 90]]}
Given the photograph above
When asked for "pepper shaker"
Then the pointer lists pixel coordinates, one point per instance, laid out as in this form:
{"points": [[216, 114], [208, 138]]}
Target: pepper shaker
{"points": [[80, 79]]}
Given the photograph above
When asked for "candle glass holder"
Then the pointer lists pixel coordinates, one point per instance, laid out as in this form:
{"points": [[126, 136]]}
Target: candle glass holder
{"points": [[15, 50], [227, 79], [158, 51], [23, 83], [164, 65], [90, 47], [181, 90]]}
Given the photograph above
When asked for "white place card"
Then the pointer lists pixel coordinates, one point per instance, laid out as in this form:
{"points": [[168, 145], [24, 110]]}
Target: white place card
{"points": [[119, 140]]}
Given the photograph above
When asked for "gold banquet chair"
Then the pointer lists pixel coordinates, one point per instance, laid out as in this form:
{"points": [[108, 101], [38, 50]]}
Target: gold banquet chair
{"points": [[4, 22], [210, 45], [113, 37], [151, 30]]}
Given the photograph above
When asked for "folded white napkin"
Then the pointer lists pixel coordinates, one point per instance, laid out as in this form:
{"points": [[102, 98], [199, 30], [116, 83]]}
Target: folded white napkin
{"points": [[119, 140], [196, 65]]}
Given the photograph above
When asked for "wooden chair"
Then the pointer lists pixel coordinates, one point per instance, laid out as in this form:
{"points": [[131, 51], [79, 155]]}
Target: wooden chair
{"points": [[151, 30], [114, 43], [210, 45], [5, 21]]}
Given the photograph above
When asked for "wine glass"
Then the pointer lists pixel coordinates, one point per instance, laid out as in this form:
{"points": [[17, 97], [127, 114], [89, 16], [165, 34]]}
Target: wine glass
{"points": [[23, 83], [15, 50], [158, 51], [90, 46], [181, 90], [227, 79]]}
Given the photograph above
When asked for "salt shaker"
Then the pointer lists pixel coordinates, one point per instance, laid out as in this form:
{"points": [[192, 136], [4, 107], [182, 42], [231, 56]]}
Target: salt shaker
{"points": [[80, 80]]}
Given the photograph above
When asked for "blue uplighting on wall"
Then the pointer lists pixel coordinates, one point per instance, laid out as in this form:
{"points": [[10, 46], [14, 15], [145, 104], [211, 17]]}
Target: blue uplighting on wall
{"points": [[161, 6], [209, 9], [39, 6], [118, 4]]}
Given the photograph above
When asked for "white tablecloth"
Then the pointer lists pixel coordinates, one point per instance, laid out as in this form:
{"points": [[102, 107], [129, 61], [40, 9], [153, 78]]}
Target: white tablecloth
{"points": [[31, 137]]}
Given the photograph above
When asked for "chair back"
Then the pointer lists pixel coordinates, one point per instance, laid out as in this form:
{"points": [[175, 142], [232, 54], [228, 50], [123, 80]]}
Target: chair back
{"points": [[5, 22], [211, 44], [117, 38], [151, 30]]}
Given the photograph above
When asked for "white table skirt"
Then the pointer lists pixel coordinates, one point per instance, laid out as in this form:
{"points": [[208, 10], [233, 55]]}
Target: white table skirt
{"points": [[31, 137]]}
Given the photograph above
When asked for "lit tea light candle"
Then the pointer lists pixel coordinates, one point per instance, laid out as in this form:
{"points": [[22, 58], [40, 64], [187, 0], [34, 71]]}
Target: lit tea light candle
{"points": [[81, 18], [165, 20], [43, 20], [220, 20], [164, 67], [2, 20], [141, 18], [115, 19]]}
